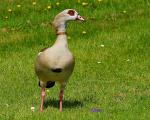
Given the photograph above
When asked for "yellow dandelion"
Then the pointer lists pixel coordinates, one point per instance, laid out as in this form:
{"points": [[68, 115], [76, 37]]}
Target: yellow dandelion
{"points": [[128, 60], [33, 3], [32, 109], [49, 7], [83, 32], [124, 11], [69, 37], [9, 10], [18, 6], [102, 45], [6, 17], [47, 90], [84, 4], [57, 3], [99, 62]]}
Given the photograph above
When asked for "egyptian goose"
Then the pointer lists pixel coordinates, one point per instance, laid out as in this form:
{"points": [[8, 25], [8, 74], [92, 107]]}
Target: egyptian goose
{"points": [[56, 64]]}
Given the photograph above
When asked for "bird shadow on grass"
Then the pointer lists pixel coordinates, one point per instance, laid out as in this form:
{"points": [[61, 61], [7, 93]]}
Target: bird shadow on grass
{"points": [[66, 103]]}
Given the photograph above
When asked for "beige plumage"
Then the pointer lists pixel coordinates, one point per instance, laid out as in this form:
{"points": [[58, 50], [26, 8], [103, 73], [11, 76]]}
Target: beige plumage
{"points": [[56, 64]]}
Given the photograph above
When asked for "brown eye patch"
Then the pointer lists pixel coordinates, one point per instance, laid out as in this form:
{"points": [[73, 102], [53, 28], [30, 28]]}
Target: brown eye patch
{"points": [[71, 12]]}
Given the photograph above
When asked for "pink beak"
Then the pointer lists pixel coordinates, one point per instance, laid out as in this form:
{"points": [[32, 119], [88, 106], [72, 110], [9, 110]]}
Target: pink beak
{"points": [[80, 18]]}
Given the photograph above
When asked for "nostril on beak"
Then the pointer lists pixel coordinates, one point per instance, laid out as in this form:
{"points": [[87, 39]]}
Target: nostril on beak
{"points": [[80, 18]]}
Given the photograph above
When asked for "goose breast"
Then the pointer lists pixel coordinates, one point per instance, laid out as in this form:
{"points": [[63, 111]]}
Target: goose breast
{"points": [[52, 59]]}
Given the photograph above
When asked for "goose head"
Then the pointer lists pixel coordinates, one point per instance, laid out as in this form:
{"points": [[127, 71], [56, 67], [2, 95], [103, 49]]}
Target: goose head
{"points": [[66, 15]]}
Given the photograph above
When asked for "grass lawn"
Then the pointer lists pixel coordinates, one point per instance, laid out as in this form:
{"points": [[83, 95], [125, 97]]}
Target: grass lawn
{"points": [[112, 71]]}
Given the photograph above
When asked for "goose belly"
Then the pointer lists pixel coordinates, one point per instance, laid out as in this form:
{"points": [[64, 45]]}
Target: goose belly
{"points": [[54, 70]]}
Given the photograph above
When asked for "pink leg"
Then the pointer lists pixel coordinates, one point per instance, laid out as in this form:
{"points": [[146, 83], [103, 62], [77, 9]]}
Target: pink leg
{"points": [[42, 98], [60, 100]]}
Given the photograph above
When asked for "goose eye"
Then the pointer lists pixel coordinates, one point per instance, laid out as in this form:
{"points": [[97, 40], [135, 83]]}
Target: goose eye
{"points": [[71, 12]]}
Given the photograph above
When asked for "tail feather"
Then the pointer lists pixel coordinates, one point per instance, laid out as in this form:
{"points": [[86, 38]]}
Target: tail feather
{"points": [[49, 84]]}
